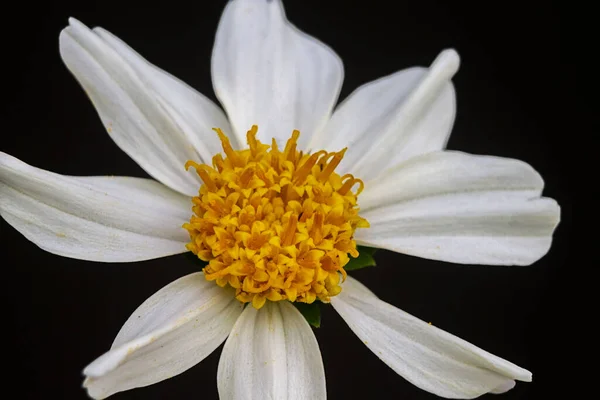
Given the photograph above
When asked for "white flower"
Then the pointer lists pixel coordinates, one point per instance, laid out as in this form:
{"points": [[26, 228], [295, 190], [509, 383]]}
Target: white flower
{"points": [[418, 199]]}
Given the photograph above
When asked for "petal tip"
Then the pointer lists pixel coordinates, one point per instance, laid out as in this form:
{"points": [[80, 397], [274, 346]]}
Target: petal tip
{"points": [[104, 364], [74, 22], [448, 60], [92, 391], [73, 26]]}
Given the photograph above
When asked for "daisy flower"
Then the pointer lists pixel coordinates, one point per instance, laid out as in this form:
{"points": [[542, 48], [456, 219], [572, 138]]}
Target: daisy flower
{"points": [[276, 196]]}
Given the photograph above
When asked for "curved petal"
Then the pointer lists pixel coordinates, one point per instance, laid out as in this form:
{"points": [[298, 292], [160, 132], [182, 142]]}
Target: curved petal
{"points": [[172, 331], [271, 354], [461, 208], [156, 119], [110, 219], [192, 112], [266, 72], [394, 118], [505, 387], [426, 356]]}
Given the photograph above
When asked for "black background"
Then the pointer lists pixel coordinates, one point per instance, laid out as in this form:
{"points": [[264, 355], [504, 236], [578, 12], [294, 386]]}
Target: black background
{"points": [[60, 314]]}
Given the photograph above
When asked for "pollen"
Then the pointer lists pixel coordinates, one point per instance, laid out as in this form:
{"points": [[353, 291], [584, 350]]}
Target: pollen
{"points": [[275, 224]]}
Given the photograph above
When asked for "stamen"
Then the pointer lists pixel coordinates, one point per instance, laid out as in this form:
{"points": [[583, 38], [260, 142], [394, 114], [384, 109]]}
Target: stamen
{"points": [[290, 147], [251, 137], [304, 170], [317, 229], [246, 176], [219, 163], [288, 236], [337, 158], [201, 171], [231, 155], [349, 184]]}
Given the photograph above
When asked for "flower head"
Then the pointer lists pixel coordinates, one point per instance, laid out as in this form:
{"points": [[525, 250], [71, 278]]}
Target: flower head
{"points": [[276, 201], [275, 224]]}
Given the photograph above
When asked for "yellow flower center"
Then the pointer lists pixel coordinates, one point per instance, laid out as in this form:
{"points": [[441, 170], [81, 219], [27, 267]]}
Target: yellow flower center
{"points": [[275, 225]]}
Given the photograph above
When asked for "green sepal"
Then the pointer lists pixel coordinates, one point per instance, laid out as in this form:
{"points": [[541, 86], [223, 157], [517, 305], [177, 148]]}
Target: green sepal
{"points": [[311, 312], [364, 259]]}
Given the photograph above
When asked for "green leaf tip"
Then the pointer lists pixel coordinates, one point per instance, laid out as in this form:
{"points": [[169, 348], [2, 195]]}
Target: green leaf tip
{"points": [[364, 259], [311, 312]]}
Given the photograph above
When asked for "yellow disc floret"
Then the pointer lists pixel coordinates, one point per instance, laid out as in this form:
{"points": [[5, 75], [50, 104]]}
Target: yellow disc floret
{"points": [[275, 225]]}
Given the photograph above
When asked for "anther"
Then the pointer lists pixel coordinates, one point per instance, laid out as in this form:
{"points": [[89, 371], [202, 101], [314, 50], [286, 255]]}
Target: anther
{"points": [[337, 158], [201, 171], [302, 172], [231, 154]]}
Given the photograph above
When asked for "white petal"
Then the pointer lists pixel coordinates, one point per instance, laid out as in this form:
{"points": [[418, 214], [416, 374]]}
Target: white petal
{"points": [[193, 113], [426, 356], [461, 208], [394, 118], [267, 72], [172, 331], [156, 119], [505, 387], [110, 219], [271, 353]]}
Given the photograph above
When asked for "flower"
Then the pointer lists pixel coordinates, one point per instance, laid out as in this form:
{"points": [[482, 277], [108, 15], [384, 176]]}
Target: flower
{"points": [[417, 199]]}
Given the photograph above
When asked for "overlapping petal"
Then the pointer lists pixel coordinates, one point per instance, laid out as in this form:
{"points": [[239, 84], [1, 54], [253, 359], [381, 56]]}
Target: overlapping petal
{"points": [[426, 356], [267, 72], [271, 353], [102, 218], [172, 331], [159, 121], [461, 208], [394, 118]]}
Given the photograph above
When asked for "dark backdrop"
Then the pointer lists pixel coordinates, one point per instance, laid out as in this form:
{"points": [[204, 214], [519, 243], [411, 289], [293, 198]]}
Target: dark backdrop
{"points": [[60, 314]]}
